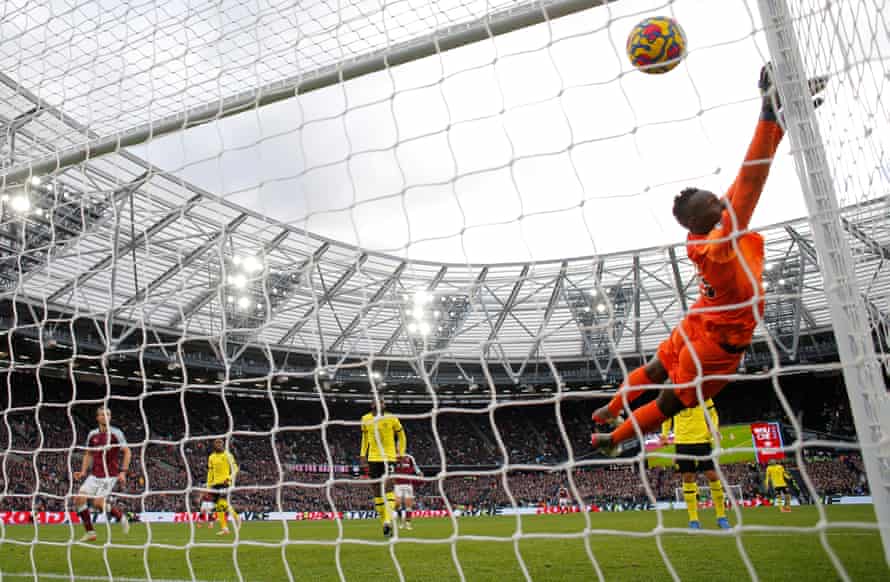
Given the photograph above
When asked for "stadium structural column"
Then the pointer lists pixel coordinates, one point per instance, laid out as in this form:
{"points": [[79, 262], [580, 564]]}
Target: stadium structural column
{"points": [[638, 340], [862, 373], [678, 280]]}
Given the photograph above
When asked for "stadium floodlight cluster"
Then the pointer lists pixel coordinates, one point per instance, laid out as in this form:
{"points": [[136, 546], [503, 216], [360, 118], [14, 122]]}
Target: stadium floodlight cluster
{"points": [[305, 202]]}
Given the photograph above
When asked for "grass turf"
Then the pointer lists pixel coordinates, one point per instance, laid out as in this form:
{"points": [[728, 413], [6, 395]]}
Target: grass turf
{"points": [[426, 554], [732, 437]]}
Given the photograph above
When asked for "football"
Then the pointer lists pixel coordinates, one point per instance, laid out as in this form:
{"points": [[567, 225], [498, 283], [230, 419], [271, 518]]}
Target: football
{"points": [[656, 45]]}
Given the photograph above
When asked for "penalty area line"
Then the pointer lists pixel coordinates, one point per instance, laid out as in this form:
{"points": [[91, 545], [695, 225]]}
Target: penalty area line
{"points": [[76, 578]]}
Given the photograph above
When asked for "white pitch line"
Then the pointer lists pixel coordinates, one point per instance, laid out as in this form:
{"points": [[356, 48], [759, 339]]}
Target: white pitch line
{"points": [[831, 533], [44, 576]]}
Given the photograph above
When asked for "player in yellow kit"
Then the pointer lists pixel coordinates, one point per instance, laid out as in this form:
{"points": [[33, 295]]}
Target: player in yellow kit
{"points": [[383, 443], [221, 472], [692, 436], [779, 477]]}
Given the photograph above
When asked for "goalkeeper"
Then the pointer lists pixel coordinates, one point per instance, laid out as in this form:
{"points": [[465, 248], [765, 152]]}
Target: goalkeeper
{"points": [[221, 472], [710, 341], [692, 436], [380, 432]]}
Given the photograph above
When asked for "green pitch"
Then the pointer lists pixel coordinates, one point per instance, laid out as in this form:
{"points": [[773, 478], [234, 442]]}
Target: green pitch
{"points": [[486, 550], [736, 436]]}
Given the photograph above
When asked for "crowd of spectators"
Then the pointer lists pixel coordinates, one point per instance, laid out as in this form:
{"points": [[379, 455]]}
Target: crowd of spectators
{"points": [[170, 441]]}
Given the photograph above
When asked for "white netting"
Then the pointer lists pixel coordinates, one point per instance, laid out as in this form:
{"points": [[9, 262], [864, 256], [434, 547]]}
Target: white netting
{"points": [[476, 226]]}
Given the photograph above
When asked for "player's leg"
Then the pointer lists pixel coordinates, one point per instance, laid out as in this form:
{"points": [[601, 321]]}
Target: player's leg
{"points": [[690, 496], [81, 506], [233, 513], [108, 508], [652, 373], [698, 352], [687, 468], [786, 500], [717, 496], [406, 499], [398, 516], [377, 471], [390, 501], [221, 506], [206, 516], [657, 371]]}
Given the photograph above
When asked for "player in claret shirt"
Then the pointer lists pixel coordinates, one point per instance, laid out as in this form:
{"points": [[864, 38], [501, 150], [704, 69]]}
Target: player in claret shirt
{"points": [[406, 473], [708, 344], [564, 500], [103, 469]]}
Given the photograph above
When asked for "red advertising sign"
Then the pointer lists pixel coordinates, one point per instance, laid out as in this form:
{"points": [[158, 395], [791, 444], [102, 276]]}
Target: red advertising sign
{"points": [[767, 441], [41, 517]]}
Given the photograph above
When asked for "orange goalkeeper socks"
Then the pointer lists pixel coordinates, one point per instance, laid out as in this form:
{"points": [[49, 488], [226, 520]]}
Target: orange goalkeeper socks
{"points": [[638, 377], [647, 416], [221, 518]]}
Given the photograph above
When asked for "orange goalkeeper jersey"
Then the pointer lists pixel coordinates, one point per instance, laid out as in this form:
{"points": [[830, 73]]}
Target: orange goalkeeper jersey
{"points": [[728, 259]]}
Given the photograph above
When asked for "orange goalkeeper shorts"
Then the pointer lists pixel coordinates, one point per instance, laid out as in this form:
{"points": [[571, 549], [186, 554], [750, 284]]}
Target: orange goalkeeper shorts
{"points": [[678, 355]]}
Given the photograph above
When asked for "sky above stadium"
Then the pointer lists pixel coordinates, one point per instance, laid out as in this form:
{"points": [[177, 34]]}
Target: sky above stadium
{"points": [[593, 171], [537, 145]]}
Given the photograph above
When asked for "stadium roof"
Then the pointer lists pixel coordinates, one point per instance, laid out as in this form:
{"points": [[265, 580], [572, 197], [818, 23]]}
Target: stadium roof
{"points": [[155, 252]]}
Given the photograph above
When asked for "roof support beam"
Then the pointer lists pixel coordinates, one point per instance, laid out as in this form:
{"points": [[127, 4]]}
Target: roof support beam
{"points": [[430, 288], [870, 243], [190, 258], [213, 289], [508, 305], [678, 281], [130, 246], [474, 290], [377, 296], [329, 294], [638, 341], [809, 251], [554, 296], [504, 21], [548, 313]]}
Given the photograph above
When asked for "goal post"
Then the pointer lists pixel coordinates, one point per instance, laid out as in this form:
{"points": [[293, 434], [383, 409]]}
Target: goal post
{"points": [[861, 367]]}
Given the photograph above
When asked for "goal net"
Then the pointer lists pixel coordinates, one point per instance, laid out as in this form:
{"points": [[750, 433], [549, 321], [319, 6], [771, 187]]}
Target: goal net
{"points": [[230, 230]]}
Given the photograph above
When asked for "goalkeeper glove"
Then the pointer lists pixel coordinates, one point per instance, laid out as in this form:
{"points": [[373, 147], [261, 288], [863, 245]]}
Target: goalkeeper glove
{"points": [[771, 103]]}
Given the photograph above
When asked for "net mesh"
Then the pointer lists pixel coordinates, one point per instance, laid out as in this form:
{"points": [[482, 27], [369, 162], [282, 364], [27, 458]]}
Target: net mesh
{"points": [[482, 236]]}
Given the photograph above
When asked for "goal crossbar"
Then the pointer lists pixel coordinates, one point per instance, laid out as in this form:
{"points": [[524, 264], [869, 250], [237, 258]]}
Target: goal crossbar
{"points": [[455, 36]]}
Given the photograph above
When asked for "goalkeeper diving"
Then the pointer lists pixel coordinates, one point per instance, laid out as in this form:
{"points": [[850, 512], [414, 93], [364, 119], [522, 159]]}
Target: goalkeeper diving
{"points": [[383, 445], [221, 472], [708, 344]]}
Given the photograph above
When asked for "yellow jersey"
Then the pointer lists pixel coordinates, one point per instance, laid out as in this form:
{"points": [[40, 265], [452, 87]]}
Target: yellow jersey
{"points": [[221, 468], [778, 476], [382, 431], [690, 426]]}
